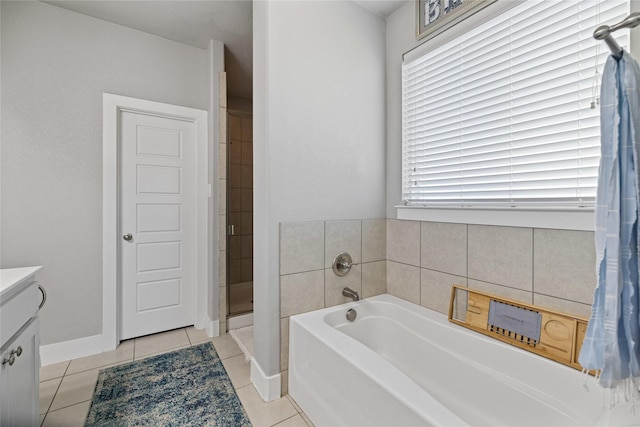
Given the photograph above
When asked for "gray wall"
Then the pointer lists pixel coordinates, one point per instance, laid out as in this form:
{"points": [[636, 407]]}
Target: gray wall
{"points": [[319, 110], [55, 66]]}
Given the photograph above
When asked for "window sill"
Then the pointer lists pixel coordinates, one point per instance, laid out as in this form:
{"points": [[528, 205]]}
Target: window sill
{"points": [[562, 218]]}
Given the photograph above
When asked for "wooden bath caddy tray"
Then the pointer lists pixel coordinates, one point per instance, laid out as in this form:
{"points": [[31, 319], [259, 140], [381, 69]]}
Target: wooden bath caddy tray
{"points": [[548, 333]]}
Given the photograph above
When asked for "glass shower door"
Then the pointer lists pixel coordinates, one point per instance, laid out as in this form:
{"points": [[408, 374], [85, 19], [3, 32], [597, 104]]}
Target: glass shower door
{"points": [[240, 214]]}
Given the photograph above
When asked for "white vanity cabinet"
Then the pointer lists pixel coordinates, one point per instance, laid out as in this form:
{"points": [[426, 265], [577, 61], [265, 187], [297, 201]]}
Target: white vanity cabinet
{"points": [[19, 347]]}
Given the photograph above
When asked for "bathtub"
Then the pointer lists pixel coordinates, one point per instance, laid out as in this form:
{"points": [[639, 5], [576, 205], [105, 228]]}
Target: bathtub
{"points": [[400, 364]]}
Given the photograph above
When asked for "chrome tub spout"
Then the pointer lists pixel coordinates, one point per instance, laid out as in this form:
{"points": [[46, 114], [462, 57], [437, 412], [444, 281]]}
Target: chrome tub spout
{"points": [[350, 293]]}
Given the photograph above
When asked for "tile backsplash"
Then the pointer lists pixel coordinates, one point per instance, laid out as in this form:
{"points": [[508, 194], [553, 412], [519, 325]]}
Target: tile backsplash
{"points": [[419, 261], [550, 268]]}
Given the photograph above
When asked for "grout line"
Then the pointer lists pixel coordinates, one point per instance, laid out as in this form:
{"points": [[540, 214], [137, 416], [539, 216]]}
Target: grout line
{"points": [[361, 256], [290, 399], [54, 396], [533, 260], [134, 348], [467, 254], [420, 262], [73, 404], [443, 272], [297, 414], [306, 271], [404, 263], [188, 337]]}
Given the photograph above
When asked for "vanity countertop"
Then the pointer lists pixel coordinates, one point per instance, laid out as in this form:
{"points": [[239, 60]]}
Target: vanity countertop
{"points": [[12, 280]]}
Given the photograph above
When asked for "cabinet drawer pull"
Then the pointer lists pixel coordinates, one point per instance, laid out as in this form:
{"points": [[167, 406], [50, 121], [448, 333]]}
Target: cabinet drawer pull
{"points": [[44, 296], [12, 356]]}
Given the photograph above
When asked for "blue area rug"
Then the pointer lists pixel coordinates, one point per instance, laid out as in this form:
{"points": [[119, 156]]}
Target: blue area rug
{"points": [[188, 387]]}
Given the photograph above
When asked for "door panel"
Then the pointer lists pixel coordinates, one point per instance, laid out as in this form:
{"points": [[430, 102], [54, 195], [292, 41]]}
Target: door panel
{"points": [[158, 179], [158, 294], [154, 218], [158, 210], [158, 256], [158, 142]]}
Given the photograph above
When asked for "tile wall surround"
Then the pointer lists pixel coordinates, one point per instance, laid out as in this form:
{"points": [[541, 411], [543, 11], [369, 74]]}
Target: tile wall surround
{"points": [[419, 261], [550, 268], [307, 281]]}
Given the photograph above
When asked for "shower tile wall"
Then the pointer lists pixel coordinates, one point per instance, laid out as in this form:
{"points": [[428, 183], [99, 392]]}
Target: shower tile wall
{"points": [[419, 261], [307, 281], [240, 212]]}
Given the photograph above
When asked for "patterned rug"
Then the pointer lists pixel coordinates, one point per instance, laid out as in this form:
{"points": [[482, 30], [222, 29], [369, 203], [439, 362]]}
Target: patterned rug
{"points": [[188, 387]]}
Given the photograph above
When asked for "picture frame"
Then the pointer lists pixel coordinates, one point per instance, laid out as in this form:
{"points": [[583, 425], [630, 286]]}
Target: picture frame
{"points": [[436, 16]]}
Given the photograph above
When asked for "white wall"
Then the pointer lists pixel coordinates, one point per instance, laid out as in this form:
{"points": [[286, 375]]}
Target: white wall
{"points": [[319, 126], [55, 66]]}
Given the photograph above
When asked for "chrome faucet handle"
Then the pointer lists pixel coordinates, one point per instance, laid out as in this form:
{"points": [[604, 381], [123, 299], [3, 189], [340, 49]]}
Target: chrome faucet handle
{"points": [[342, 264]]}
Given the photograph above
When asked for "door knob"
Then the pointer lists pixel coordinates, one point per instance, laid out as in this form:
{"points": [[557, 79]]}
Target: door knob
{"points": [[127, 237]]}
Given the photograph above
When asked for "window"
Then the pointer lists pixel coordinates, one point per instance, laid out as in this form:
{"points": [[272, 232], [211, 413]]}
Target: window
{"points": [[501, 116]]}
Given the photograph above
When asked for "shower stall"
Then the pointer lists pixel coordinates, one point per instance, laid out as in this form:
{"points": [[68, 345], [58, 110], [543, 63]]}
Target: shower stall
{"points": [[239, 214]]}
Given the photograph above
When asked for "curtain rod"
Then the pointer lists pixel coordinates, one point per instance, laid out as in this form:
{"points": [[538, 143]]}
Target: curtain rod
{"points": [[604, 32]]}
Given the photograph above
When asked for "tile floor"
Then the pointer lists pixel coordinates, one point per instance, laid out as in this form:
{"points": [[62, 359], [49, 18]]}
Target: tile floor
{"points": [[66, 388]]}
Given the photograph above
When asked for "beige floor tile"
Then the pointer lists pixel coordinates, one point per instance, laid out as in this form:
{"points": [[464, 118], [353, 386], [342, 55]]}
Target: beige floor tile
{"points": [[48, 390], [226, 346], [122, 354], [57, 370], [75, 388], [306, 419], [261, 413], [197, 336], [239, 370], [70, 416], [161, 342], [293, 402], [146, 356], [295, 421]]}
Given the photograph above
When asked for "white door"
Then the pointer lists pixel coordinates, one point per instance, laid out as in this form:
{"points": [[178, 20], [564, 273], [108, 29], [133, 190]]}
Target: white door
{"points": [[158, 222]]}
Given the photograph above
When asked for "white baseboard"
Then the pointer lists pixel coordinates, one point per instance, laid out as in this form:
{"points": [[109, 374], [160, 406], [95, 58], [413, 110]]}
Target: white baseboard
{"points": [[214, 329], [211, 327], [73, 349], [268, 387]]}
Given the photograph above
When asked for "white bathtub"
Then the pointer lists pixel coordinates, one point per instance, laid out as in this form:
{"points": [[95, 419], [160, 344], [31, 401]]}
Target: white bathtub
{"points": [[400, 364]]}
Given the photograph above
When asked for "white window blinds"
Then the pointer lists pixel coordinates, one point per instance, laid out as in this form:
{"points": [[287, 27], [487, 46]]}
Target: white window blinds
{"points": [[502, 115]]}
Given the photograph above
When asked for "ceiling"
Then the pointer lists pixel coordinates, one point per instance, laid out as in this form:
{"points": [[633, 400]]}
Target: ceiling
{"points": [[196, 22]]}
